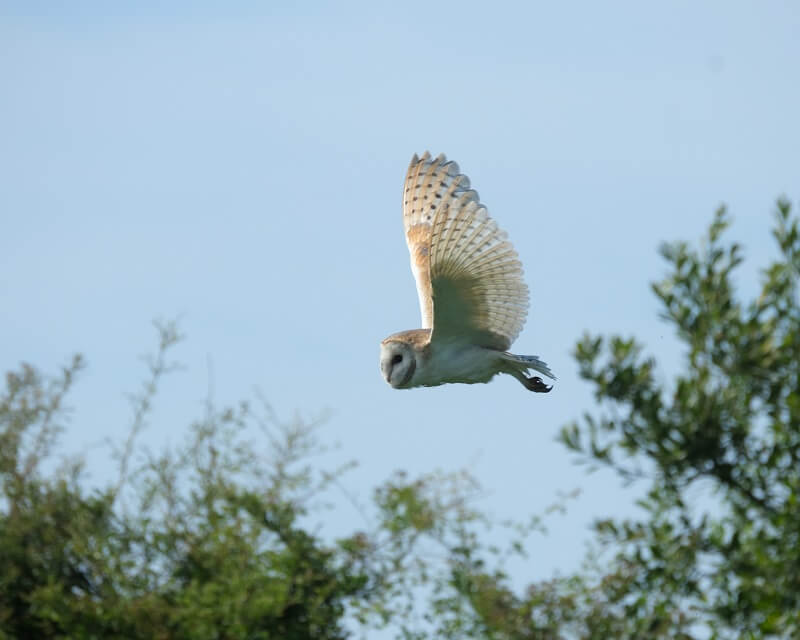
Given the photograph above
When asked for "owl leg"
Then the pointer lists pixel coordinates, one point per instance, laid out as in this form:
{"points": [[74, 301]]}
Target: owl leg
{"points": [[534, 383]]}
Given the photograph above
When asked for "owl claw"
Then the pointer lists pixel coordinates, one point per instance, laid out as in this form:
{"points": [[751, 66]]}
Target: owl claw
{"points": [[534, 383]]}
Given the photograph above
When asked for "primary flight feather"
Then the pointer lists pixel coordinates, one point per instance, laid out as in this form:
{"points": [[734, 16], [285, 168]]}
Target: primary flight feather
{"points": [[472, 297]]}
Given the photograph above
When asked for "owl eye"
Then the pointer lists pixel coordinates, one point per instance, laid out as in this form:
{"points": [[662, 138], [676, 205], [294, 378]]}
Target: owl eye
{"points": [[397, 358]]}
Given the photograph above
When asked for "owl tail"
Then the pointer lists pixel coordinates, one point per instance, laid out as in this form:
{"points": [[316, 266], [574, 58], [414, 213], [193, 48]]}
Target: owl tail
{"points": [[523, 363], [518, 366]]}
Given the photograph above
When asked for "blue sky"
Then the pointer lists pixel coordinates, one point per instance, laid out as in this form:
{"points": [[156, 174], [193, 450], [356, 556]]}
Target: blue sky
{"points": [[240, 165]]}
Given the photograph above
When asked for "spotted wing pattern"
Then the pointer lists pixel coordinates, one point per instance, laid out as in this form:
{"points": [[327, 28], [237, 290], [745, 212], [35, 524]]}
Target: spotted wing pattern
{"points": [[469, 277]]}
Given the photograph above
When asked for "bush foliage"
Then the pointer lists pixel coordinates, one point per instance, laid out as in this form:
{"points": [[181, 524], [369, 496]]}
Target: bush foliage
{"points": [[212, 539]]}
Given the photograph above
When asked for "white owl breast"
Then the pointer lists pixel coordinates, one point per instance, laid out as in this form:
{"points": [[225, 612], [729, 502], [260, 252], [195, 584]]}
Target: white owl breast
{"points": [[454, 361]]}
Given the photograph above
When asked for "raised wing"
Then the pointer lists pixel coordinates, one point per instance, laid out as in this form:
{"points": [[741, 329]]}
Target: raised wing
{"points": [[469, 278], [419, 204]]}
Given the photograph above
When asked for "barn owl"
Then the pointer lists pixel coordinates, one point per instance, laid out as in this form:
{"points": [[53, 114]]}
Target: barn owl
{"points": [[469, 282]]}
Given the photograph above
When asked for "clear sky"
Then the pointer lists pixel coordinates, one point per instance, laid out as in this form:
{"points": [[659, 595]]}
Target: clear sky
{"points": [[240, 165]]}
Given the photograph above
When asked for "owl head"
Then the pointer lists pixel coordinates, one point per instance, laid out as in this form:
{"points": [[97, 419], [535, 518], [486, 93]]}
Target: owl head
{"points": [[398, 362]]}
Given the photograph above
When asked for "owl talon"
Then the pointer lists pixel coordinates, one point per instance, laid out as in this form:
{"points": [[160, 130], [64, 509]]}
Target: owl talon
{"points": [[536, 384]]}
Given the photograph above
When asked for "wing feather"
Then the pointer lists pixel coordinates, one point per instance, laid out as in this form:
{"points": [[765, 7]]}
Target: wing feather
{"points": [[468, 275], [418, 224]]}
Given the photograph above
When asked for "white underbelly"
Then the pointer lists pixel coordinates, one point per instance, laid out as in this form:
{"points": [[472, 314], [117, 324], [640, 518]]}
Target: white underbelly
{"points": [[457, 363]]}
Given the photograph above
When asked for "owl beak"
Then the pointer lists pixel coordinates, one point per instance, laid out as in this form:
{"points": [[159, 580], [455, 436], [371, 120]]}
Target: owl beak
{"points": [[386, 370]]}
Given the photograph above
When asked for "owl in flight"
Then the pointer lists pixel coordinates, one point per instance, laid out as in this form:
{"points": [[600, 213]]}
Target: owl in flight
{"points": [[469, 281]]}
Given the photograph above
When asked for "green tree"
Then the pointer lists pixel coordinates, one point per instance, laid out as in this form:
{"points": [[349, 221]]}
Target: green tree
{"points": [[728, 423], [212, 539], [201, 542], [729, 420]]}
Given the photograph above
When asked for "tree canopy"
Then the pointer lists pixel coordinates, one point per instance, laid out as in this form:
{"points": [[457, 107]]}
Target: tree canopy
{"points": [[211, 539]]}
